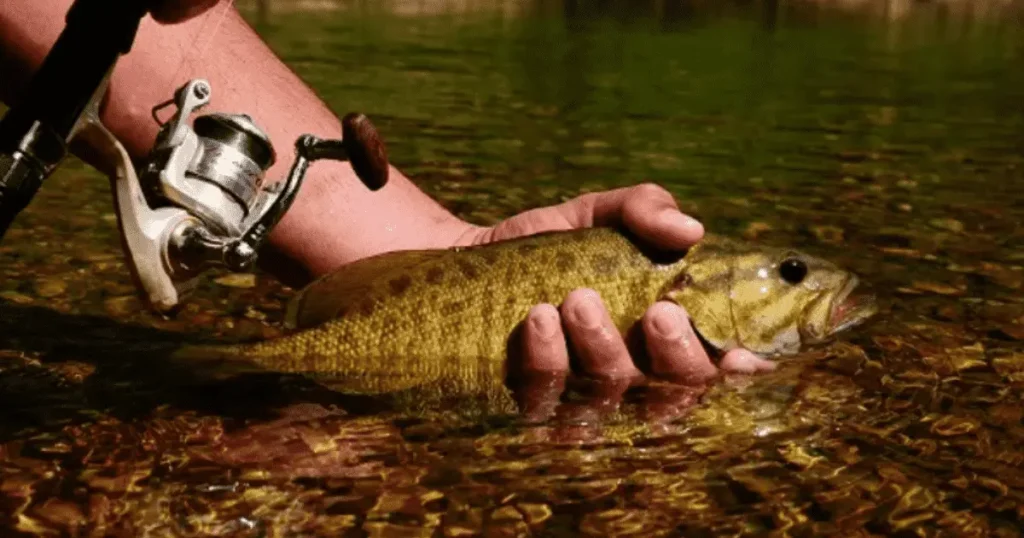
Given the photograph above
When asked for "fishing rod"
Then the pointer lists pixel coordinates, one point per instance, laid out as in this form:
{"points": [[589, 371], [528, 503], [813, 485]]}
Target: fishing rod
{"points": [[200, 199]]}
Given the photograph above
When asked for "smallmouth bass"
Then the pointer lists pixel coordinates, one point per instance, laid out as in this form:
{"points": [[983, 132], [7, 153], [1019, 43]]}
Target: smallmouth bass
{"points": [[443, 318]]}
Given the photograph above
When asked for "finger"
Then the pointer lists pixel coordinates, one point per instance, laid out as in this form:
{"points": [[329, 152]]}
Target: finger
{"points": [[599, 399], [172, 11], [545, 364], [665, 402], [596, 341], [544, 346], [651, 212], [676, 353], [647, 210], [741, 361], [538, 395], [603, 396]]}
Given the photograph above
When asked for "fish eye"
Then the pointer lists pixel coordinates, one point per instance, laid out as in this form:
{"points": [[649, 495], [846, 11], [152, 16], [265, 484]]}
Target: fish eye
{"points": [[793, 270]]}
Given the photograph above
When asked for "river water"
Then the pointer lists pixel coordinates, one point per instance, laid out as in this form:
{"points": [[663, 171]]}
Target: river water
{"points": [[891, 142]]}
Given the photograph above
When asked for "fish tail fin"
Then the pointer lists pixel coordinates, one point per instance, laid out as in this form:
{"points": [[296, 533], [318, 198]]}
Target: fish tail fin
{"points": [[214, 361]]}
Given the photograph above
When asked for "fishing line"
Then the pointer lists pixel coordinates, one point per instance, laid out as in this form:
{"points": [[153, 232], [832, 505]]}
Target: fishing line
{"points": [[199, 48]]}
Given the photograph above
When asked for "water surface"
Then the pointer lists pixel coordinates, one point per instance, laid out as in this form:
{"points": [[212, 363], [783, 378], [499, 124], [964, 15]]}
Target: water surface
{"points": [[893, 146]]}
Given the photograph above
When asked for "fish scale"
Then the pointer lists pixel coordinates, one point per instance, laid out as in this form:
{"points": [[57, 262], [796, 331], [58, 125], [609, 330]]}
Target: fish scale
{"points": [[443, 318]]}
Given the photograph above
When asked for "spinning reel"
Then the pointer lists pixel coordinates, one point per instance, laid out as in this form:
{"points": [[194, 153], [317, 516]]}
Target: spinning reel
{"points": [[201, 199]]}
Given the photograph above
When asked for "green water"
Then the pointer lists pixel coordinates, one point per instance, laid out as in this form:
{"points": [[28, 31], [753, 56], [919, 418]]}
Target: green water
{"points": [[893, 147]]}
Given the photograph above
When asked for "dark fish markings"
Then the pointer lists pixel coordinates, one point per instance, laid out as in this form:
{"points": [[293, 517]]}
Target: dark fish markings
{"points": [[452, 308], [435, 275], [526, 248], [565, 261], [400, 285], [490, 257], [605, 264], [468, 269], [367, 306]]}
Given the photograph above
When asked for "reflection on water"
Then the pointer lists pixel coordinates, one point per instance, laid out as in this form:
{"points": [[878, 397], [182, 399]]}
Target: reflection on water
{"points": [[892, 145]]}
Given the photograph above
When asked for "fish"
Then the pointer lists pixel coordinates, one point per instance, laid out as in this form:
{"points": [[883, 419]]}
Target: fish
{"points": [[443, 321]]}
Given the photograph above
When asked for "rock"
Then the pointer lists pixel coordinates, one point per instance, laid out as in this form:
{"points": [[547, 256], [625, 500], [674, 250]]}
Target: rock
{"points": [[949, 225], [756, 229], [828, 234], [15, 297], [904, 252], [252, 313], [937, 287], [237, 280], [1007, 277], [50, 287], [61, 512], [1010, 366], [1010, 331], [948, 312], [123, 306]]}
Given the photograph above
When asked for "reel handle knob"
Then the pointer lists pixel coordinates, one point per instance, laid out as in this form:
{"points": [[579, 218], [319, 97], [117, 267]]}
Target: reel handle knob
{"points": [[366, 151]]}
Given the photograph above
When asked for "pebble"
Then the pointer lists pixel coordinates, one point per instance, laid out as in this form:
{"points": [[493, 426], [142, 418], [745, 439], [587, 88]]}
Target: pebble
{"points": [[50, 287], [15, 297], [937, 287], [237, 280], [950, 225], [1012, 331], [755, 229], [61, 512], [252, 313], [122, 306], [828, 234]]}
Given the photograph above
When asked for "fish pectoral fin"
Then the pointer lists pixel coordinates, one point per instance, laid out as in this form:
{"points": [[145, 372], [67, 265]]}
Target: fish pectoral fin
{"points": [[326, 298]]}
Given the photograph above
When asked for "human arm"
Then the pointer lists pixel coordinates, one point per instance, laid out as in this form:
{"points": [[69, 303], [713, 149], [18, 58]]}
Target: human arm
{"points": [[335, 219]]}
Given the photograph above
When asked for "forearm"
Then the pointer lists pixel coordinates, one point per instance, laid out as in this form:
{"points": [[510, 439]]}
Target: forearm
{"points": [[334, 219]]}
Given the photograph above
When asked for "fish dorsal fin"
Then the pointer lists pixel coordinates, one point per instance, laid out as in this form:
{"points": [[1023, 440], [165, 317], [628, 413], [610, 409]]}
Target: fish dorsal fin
{"points": [[327, 297]]}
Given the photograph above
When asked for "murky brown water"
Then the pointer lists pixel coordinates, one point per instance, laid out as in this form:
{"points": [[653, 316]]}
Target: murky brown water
{"points": [[895, 148]]}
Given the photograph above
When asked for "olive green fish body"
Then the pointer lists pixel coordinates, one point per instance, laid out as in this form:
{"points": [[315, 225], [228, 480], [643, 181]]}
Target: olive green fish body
{"points": [[444, 317], [407, 318]]}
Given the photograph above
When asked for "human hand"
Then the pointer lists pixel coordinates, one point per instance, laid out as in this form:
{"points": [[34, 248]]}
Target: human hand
{"points": [[172, 11], [675, 353]]}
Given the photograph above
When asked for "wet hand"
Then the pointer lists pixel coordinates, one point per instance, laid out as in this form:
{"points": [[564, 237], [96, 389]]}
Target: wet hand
{"points": [[582, 323]]}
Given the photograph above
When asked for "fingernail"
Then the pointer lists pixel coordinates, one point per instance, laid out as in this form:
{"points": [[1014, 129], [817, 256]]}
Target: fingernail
{"points": [[674, 219], [544, 325], [588, 313], [669, 325]]}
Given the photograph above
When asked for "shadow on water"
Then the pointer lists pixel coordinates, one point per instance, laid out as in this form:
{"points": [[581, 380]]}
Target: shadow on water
{"points": [[73, 368]]}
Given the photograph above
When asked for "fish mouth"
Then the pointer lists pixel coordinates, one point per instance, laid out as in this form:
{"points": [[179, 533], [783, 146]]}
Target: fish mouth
{"points": [[851, 307]]}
